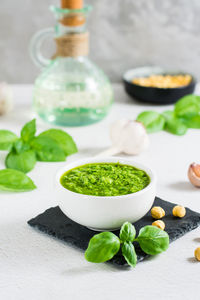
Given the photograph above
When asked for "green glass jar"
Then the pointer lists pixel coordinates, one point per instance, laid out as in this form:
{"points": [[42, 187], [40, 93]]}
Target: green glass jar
{"points": [[71, 90]]}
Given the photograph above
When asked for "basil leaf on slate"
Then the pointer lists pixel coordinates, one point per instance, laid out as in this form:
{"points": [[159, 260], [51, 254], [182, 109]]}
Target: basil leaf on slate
{"points": [[19, 146], [102, 247], [64, 140], [129, 253], [153, 240], [15, 181], [28, 131], [7, 139], [173, 124], [188, 106], [47, 149], [127, 232], [23, 162], [152, 121]]}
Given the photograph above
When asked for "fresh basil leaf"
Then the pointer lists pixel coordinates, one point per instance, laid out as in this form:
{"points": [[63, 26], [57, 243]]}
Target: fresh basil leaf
{"points": [[64, 140], [129, 253], [47, 149], [15, 181], [7, 139], [168, 114], [19, 146], [28, 131], [153, 121], [127, 232], [102, 247], [153, 240], [192, 122], [23, 162], [173, 124], [187, 106]]}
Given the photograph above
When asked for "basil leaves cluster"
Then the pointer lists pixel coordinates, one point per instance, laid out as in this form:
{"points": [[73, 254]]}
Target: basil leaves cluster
{"points": [[53, 145], [105, 245], [186, 114]]}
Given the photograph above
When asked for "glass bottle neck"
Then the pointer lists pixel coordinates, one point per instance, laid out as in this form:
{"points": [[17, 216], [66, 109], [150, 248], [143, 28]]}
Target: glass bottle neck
{"points": [[70, 20], [71, 36]]}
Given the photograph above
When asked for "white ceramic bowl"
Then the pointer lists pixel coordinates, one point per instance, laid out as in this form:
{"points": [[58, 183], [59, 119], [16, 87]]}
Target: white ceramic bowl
{"points": [[105, 213]]}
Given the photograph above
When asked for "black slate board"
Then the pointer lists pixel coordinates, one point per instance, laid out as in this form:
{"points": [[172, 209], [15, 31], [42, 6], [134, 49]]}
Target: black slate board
{"points": [[55, 223]]}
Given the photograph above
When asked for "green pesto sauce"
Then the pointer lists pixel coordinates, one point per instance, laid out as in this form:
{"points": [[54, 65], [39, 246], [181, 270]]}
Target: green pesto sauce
{"points": [[105, 179]]}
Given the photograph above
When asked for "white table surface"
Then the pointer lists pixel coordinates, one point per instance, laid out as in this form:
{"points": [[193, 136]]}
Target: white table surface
{"points": [[35, 266]]}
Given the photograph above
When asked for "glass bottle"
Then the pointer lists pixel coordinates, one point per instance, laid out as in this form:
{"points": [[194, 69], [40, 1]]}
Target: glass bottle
{"points": [[71, 90]]}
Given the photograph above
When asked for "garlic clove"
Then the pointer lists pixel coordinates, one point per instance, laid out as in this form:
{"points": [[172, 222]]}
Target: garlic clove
{"points": [[116, 132], [6, 97], [129, 136], [137, 139], [194, 174]]}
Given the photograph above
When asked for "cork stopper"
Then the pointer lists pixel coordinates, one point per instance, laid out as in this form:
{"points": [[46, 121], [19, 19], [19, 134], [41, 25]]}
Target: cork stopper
{"points": [[72, 4], [72, 19]]}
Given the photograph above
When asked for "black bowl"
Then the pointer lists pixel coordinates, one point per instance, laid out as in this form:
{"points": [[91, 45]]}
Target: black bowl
{"points": [[152, 94]]}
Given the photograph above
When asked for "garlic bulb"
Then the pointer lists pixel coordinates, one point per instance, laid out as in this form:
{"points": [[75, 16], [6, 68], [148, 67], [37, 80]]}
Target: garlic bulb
{"points": [[194, 174], [6, 97], [129, 137]]}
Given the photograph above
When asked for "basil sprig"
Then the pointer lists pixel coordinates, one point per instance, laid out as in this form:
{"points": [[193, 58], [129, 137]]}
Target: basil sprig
{"points": [[127, 232], [173, 124], [153, 240], [53, 145], [15, 181], [28, 131], [102, 247], [63, 139], [23, 162], [105, 245], [152, 120], [128, 251], [186, 114], [7, 139]]}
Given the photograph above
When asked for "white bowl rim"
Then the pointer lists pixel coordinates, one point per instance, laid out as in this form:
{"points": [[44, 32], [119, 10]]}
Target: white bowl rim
{"points": [[111, 159]]}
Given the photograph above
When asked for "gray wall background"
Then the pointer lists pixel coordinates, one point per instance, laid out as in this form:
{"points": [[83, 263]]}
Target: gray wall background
{"points": [[124, 34]]}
